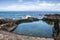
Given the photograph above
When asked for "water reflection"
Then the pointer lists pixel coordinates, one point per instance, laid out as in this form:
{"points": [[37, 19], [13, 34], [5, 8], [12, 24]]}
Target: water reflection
{"points": [[50, 22], [38, 28]]}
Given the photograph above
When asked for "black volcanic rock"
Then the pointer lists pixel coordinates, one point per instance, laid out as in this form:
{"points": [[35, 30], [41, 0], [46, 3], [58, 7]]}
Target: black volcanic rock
{"points": [[9, 24]]}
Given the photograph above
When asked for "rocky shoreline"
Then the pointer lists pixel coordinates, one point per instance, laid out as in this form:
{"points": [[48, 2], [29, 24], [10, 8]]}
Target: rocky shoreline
{"points": [[9, 24], [4, 35]]}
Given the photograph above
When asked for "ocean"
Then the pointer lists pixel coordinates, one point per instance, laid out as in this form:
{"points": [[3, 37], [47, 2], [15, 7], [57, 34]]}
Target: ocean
{"points": [[38, 28], [19, 14]]}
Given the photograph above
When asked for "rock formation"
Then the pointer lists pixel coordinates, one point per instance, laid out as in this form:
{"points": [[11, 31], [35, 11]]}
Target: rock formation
{"points": [[56, 28], [9, 24]]}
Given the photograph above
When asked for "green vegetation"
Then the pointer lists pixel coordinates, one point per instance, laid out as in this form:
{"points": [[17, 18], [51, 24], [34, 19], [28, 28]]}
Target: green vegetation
{"points": [[50, 22]]}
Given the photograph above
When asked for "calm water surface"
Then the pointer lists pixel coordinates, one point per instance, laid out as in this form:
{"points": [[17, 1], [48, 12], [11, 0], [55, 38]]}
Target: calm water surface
{"points": [[38, 28]]}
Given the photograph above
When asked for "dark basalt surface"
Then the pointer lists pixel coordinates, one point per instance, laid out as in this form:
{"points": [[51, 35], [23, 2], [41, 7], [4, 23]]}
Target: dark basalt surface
{"points": [[9, 24]]}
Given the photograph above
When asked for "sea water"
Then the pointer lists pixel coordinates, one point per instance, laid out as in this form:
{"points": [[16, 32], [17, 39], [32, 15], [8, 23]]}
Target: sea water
{"points": [[38, 28], [19, 14]]}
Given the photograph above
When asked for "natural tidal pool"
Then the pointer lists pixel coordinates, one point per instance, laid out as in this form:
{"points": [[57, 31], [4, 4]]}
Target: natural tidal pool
{"points": [[38, 28]]}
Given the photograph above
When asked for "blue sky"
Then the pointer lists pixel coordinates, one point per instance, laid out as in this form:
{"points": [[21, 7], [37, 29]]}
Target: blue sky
{"points": [[29, 5]]}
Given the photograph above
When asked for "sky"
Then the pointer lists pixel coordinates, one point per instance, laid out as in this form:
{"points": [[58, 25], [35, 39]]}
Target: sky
{"points": [[29, 5]]}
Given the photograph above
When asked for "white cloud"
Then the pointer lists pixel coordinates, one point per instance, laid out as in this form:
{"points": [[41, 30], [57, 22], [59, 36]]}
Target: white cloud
{"points": [[32, 7]]}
